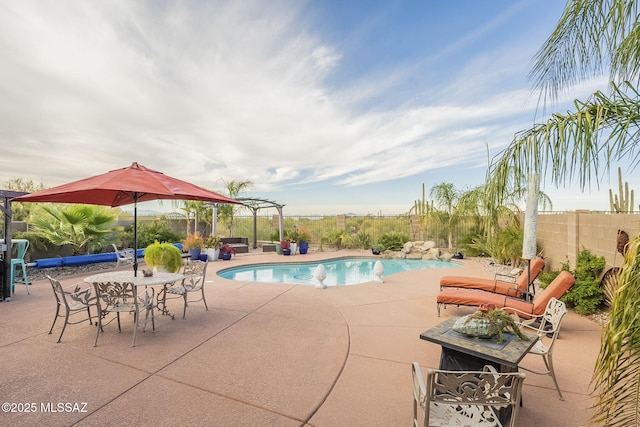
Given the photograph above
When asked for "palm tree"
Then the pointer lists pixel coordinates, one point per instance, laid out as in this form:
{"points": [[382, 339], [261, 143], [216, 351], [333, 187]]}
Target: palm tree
{"points": [[83, 227], [591, 35], [448, 211], [227, 212]]}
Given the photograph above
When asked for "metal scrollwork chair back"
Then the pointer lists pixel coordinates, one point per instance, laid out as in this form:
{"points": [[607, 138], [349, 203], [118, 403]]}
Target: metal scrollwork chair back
{"points": [[195, 272], [114, 297], [547, 328], [72, 300], [465, 398]]}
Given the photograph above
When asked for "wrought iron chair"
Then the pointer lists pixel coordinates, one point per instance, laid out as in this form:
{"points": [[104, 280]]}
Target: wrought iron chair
{"points": [[547, 328], [113, 297], [486, 398], [195, 272], [124, 256], [71, 300], [21, 250]]}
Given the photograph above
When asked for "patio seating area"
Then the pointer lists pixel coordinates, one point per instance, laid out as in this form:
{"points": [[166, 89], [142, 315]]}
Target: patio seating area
{"points": [[263, 354]]}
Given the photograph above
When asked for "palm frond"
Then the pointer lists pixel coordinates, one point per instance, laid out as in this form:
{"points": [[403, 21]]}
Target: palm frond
{"points": [[616, 378]]}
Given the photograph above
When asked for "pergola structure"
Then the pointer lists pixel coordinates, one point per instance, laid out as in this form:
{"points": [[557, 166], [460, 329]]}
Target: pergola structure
{"points": [[5, 272], [254, 204]]}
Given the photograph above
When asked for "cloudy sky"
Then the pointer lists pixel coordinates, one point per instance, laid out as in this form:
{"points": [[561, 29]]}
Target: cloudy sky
{"points": [[327, 106]]}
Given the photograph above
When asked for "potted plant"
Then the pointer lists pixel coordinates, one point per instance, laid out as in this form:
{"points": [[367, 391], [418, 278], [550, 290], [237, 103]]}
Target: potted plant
{"points": [[292, 238], [226, 251], [213, 245], [304, 235], [193, 244], [163, 256], [377, 249], [488, 322], [285, 245]]}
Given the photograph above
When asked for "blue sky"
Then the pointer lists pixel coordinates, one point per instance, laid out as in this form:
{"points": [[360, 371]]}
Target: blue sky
{"points": [[326, 106]]}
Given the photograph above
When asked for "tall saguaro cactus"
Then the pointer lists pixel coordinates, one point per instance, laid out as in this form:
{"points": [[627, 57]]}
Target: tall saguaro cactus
{"points": [[422, 207], [623, 201]]}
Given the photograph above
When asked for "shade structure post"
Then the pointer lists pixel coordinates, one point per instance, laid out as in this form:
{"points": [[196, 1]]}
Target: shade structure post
{"points": [[135, 235], [529, 248]]}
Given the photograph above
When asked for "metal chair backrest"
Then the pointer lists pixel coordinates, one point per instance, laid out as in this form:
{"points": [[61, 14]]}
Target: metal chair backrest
{"points": [[21, 248], [467, 398]]}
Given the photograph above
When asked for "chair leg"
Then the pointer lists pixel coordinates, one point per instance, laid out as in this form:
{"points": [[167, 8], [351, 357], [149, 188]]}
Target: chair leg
{"points": [[55, 318], [13, 279], [135, 329], [204, 300], [23, 266], [184, 311], [66, 321], [99, 328], [549, 362]]}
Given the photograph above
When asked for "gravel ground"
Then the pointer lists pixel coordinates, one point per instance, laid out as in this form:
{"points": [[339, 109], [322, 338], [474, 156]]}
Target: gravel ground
{"points": [[41, 273]]}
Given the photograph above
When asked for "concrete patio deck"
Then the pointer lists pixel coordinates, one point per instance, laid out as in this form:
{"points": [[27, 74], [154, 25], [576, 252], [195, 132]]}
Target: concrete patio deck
{"points": [[264, 354]]}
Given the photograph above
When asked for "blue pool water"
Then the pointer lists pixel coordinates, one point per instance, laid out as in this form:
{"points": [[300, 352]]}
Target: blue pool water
{"points": [[340, 272]]}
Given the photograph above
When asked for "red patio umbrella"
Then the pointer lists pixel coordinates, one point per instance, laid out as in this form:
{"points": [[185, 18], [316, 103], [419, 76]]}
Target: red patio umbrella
{"points": [[119, 187]]}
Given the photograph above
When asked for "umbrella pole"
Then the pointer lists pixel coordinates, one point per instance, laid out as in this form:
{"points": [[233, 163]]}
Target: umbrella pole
{"points": [[135, 235]]}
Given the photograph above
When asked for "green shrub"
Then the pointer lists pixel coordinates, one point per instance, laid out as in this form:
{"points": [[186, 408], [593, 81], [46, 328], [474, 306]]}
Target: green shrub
{"points": [[585, 295], [393, 241], [362, 240], [337, 238], [160, 231], [505, 247]]}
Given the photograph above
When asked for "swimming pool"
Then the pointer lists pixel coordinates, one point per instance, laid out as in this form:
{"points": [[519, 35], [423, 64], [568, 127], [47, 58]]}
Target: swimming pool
{"points": [[340, 271]]}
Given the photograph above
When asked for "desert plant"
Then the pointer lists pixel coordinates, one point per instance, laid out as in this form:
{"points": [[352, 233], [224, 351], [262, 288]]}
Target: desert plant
{"points": [[83, 227], [192, 241], [623, 201], [163, 254], [362, 240], [334, 237], [393, 241], [214, 242], [498, 321]]}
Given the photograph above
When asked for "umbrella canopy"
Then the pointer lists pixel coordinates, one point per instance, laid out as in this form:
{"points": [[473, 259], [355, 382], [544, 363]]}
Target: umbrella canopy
{"points": [[119, 187]]}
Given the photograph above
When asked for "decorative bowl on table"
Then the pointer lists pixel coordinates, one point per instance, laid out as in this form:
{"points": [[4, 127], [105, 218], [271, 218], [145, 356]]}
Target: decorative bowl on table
{"points": [[477, 327], [488, 322]]}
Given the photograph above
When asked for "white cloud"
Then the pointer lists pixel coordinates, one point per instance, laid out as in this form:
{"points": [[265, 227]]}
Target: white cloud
{"points": [[231, 90]]}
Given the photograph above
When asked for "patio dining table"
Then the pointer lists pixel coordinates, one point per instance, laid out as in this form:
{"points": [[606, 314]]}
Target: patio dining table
{"points": [[158, 279]]}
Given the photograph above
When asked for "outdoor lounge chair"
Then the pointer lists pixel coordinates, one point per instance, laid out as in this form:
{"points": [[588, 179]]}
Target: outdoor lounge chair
{"points": [[472, 297], [501, 284], [466, 398]]}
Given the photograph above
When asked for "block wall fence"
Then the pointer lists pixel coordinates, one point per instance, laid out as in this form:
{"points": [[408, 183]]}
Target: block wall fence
{"points": [[562, 236]]}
